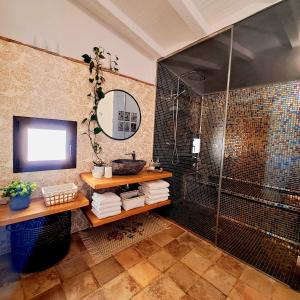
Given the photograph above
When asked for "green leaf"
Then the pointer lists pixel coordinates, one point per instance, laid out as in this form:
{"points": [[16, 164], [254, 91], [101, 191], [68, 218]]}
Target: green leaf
{"points": [[91, 80], [93, 117], [84, 120], [97, 77], [86, 58], [96, 49], [100, 94], [101, 56], [91, 66], [97, 130]]}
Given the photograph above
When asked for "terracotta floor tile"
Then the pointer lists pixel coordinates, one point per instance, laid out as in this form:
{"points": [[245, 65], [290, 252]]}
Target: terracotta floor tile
{"points": [[242, 291], [189, 239], [55, 293], [174, 230], [12, 291], [162, 289], [258, 281], [96, 295], [122, 287], [203, 290], [147, 247], [162, 238], [231, 265], [143, 273], [79, 286], [71, 267], [89, 260], [196, 262], [178, 250], [128, 257], [209, 251], [162, 260], [40, 282], [182, 275], [220, 279], [187, 297], [281, 291], [107, 270]]}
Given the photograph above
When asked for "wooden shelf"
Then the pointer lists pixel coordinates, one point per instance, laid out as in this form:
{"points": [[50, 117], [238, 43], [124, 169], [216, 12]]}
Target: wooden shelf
{"points": [[124, 214], [38, 209], [122, 180]]}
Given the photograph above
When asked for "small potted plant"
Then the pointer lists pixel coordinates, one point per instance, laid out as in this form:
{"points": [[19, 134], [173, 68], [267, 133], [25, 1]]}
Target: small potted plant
{"points": [[99, 168], [19, 193]]}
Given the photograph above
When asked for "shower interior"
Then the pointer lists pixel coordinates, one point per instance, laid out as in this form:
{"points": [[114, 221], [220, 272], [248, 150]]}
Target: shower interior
{"points": [[241, 188]]}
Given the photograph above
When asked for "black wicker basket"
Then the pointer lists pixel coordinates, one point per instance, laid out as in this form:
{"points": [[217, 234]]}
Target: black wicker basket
{"points": [[40, 243]]}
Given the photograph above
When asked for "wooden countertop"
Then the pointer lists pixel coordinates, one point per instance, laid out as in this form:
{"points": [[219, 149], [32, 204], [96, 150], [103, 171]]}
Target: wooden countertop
{"points": [[38, 209], [117, 180]]}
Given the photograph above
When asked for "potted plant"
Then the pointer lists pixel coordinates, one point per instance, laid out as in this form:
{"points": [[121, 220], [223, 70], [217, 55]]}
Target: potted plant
{"points": [[96, 80], [19, 193]]}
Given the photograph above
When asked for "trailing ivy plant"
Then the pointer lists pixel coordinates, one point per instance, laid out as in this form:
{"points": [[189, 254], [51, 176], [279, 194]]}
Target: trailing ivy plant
{"points": [[96, 94]]}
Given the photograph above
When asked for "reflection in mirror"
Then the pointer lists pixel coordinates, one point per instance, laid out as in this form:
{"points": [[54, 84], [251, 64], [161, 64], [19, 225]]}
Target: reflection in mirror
{"points": [[119, 115]]}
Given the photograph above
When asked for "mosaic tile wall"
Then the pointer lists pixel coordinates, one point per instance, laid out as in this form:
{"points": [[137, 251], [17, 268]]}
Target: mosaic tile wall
{"points": [[260, 194], [263, 133], [38, 84]]}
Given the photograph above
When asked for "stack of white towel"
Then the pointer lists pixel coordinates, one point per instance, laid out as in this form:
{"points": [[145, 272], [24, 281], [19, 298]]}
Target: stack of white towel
{"points": [[155, 191], [106, 205]]}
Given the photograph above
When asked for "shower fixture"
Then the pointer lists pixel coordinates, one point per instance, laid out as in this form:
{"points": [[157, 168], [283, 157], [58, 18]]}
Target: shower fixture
{"points": [[195, 75]]}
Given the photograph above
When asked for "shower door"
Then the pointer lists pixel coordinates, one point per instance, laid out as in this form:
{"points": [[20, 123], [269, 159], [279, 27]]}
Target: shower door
{"points": [[259, 218], [186, 87]]}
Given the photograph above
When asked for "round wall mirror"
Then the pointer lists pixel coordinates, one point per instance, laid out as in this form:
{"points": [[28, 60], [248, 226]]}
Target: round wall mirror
{"points": [[119, 115]]}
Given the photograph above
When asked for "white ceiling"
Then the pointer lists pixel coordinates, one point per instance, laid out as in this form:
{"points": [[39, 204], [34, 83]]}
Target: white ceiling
{"points": [[159, 27]]}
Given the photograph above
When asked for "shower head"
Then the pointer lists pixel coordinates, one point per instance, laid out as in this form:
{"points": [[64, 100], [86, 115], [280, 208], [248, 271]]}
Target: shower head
{"points": [[195, 75]]}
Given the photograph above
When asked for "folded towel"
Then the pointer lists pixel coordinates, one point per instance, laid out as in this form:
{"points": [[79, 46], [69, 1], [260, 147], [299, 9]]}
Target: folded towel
{"points": [[107, 209], [105, 201], [149, 202], [148, 191], [106, 196], [105, 215], [155, 184], [131, 205], [158, 197], [105, 205]]}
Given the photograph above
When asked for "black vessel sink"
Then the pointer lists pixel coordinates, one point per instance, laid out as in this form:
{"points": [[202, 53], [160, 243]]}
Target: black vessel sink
{"points": [[127, 166]]}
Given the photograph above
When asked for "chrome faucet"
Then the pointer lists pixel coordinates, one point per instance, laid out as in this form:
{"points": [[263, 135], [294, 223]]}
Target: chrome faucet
{"points": [[133, 154]]}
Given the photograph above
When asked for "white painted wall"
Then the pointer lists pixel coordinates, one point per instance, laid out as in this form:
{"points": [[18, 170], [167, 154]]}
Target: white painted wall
{"points": [[60, 26]]}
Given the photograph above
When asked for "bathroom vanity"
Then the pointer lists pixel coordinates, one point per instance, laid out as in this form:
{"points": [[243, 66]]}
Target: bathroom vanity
{"points": [[103, 183]]}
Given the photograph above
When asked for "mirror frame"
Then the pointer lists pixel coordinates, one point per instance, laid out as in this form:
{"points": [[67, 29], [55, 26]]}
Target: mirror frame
{"points": [[138, 127]]}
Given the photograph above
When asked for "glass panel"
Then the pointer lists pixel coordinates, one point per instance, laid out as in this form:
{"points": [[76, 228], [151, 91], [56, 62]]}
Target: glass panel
{"points": [[189, 118], [260, 200]]}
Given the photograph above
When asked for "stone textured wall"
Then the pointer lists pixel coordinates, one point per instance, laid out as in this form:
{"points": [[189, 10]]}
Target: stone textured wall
{"points": [[34, 83]]}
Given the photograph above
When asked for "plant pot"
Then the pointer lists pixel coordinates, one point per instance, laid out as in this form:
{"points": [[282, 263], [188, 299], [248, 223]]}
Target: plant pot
{"points": [[19, 202], [98, 172]]}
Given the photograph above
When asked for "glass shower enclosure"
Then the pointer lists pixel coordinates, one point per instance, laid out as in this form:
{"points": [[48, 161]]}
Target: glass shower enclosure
{"points": [[228, 127]]}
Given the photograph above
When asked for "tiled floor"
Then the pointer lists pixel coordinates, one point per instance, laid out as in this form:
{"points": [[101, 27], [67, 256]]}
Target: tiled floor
{"points": [[173, 264]]}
